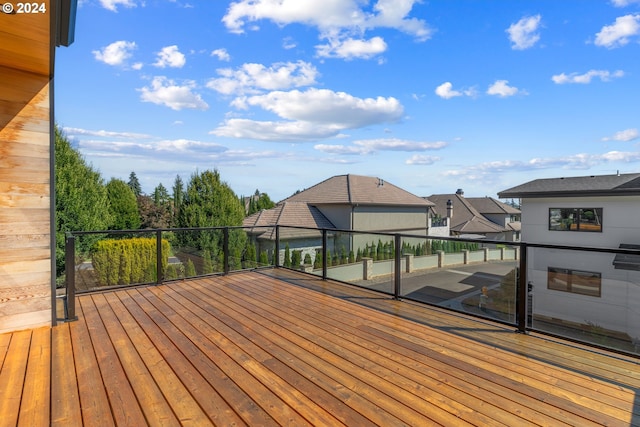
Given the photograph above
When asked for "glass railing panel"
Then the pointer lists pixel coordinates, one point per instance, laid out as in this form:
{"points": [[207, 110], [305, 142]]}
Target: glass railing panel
{"points": [[300, 249], [473, 277], [115, 259], [593, 297], [363, 259], [195, 252]]}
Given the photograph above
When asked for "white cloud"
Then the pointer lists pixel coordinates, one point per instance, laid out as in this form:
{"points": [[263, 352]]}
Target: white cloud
{"points": [[523, 34], [341, 22], [310, 115], [624, 3], [170, 56], [222, 55], [502, 89], [254, 78], [624, 135], [103, 133], [419, 159], [350, 48], [618, 34], [585, 78], [166, 92], [369, 146], [328, 15], [116, 53], [445, 91], [112, 5]]}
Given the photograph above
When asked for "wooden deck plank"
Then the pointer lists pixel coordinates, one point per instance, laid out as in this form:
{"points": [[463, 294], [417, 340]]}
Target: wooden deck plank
{"points": [[154, 405], [124, 404], [218, 411], [229, 391], [65, 402], [244, 346], [12, 377], [94, 402], [305, 373], [538, 390], [234, 369], [381, 392], [440, 390], [278, 347], [36, 395]]}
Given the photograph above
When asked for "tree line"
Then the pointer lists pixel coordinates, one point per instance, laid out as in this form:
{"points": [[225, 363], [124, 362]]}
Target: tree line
{"points": [[85, 202]]}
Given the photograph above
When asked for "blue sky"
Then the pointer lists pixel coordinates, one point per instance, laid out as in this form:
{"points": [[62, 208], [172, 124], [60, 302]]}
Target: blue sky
{"points": [[279, 95]]}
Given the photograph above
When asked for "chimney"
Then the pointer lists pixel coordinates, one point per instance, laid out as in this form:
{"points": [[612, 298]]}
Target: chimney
{"points": [[460, 192], [449, 209]]}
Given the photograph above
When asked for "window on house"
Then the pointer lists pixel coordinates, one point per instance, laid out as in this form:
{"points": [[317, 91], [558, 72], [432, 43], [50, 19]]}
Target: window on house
{"points": [[575, 219], [574, 281]]}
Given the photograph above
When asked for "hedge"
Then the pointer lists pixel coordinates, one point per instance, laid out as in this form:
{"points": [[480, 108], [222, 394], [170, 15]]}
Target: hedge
{"points": [[127, 261]]}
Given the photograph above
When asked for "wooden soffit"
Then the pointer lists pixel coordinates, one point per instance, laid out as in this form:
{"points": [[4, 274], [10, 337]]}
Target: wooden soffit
{"points": [[25, 38]]}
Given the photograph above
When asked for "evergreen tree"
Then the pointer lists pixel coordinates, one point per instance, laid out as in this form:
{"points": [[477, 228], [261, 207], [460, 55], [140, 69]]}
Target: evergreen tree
{"points": [[250, 256], [189, 269], [161, 195], [81, 198], [122, 205], [296, 259], [134, 184], [287, 257], [317, 262], [264, 258], [178, 197], [207, 262], [210, 202]]}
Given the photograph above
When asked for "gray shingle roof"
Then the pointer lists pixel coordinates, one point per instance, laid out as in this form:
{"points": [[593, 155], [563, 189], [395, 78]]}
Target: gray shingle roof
{"points": [[288, 213], [357, 190], [594, 185], [489, 205], [466, 218]]}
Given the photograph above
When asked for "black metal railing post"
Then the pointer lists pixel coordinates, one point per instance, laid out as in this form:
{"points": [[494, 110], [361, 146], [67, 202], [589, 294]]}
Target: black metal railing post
{"points": [[276, 254], [159, 257], [225, 244], [70, 277], [324, 254], [397, 274], [521, 293]]}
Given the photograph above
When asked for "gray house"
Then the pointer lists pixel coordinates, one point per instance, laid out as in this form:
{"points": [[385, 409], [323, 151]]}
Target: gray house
{"points": [[583, 289], [477, 217]]}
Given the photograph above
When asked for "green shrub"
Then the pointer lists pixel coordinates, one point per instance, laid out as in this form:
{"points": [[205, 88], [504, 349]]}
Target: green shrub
{"points": [[189, 269], [127, 261]]}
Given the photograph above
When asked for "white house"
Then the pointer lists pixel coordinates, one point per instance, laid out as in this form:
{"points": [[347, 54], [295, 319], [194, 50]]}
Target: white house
{"points": [[587, 290]]}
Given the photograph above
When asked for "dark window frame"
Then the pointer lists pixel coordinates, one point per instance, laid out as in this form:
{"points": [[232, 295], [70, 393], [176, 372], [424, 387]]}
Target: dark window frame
{"points": [[576, 281], [586, 220]]}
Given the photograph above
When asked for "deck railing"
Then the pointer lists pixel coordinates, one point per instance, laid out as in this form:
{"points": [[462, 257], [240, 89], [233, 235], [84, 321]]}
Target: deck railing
{"points": [[589, 295]]}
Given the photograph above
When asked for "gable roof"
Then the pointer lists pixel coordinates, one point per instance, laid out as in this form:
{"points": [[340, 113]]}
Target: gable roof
{"points": [[489, 205], [288, 213], [357, 190], [594, 185], [466, 218]]}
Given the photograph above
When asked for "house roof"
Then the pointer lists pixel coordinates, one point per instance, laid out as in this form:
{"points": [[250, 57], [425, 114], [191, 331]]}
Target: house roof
{"points": [[466, 218], [489, 205], [357, 190], [594, 185], [288, 213]]}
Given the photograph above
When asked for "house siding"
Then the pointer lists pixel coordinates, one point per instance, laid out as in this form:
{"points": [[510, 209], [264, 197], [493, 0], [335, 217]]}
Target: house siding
{"points": [[618, 307]]}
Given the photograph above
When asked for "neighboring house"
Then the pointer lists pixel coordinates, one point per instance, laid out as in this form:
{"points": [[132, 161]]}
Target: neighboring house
{"points": [[477, 217], [349, 202], [583, 288], [27, 252], [261, 227]]}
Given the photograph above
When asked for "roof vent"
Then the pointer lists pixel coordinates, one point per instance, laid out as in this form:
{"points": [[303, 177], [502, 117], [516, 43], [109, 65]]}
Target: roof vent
{"points": [[460, 192], [380, 182]]}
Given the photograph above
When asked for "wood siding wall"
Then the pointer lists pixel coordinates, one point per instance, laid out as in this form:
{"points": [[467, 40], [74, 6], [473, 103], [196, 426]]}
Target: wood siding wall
{"points": [[25, 200]]}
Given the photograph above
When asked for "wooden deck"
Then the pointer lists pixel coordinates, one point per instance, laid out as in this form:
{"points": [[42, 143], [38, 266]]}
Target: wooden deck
{"points": [[281, 348]]}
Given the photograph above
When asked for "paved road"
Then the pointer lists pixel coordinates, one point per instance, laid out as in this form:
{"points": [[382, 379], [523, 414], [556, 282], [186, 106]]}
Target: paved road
{"points": [[448, 286]]}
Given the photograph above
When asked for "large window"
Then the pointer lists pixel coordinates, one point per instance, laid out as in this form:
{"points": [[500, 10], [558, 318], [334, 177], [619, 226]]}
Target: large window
{"points": [[575, 281], [575, 219]]}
